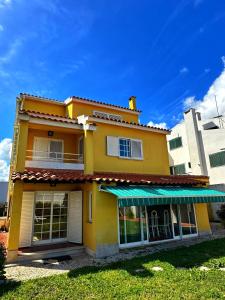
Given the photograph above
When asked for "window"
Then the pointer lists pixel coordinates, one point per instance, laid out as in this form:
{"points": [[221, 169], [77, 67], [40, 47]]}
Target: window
{"points": [[90, 207], [130, 148], [217, 159], [55, 150], [178, 169], [124, 147], [175, 143]]}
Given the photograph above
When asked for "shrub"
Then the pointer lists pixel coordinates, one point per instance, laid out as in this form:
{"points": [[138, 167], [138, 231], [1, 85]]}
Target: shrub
{"points": [[2, 261], [221, 214]]}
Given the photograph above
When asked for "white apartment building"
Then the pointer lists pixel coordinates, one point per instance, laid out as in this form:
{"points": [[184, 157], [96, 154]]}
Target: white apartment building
{"points": [[197, 147]]}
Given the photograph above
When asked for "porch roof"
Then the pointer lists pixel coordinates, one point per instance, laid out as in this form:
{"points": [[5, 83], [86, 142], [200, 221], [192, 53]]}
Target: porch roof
{"points": [[32, 175], [143, 195]]}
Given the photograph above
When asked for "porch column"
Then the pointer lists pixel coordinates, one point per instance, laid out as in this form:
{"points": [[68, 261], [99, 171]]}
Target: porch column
{"points": [[88, 152], [17, 191], [15, 215], [21, 147]]}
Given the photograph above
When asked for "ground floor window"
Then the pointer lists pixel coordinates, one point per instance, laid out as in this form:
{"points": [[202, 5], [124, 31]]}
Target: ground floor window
{"points": [[138, 224], [50, 217]]}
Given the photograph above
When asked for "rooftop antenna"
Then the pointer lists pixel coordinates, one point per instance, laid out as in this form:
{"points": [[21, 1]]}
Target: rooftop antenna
{"points": [[218, 115]]}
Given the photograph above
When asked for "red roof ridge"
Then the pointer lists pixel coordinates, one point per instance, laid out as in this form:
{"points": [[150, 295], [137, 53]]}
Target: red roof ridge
{"points": [[104, 103]]}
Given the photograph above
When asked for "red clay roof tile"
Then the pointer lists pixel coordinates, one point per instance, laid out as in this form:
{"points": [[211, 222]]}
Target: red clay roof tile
{"points": [[31, 175]]}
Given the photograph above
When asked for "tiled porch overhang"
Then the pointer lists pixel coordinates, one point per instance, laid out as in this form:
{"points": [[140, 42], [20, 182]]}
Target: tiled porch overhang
{"points": [[37, 175]]}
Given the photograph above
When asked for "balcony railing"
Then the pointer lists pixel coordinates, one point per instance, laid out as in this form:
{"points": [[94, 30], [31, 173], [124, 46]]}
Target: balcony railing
{"points": [[58, 160]]}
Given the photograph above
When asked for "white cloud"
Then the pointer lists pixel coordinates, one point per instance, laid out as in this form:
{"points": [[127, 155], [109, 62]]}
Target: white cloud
{"points": [[5, 154], [4, 3], [207, 105], [159, 125], [1, 28], [184, 70], [12, 51]]}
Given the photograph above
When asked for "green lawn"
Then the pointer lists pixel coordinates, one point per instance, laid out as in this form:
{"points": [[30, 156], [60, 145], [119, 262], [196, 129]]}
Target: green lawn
{"points": [[180, 278]]}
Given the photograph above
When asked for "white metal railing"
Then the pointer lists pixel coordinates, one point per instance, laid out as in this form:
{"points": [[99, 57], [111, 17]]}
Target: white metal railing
{"points": [[54, 156]]}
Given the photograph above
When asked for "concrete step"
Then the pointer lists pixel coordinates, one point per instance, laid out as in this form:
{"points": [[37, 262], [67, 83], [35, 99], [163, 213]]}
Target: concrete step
{"points": [[36, 255]]}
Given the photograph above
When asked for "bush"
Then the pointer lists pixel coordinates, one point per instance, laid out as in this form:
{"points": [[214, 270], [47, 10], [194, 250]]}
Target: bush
{"points": [[221, 214], [2, 261]]}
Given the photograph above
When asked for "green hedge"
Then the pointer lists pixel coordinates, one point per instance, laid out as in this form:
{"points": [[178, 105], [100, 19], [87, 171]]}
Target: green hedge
{"points": [[2, 261]]}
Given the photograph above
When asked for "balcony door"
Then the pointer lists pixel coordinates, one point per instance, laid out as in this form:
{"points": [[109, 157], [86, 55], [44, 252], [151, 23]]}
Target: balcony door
{"points": [[48, 149]]}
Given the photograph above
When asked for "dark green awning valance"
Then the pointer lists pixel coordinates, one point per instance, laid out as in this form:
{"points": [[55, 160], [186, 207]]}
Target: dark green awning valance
{"points": [[143, 195]]}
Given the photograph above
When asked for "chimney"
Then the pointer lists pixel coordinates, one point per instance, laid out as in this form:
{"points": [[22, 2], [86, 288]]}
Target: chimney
{"points": [[132, 103]]}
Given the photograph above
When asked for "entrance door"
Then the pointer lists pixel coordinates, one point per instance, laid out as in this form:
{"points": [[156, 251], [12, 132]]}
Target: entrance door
{"points": [[50, 217], [159, 222]]}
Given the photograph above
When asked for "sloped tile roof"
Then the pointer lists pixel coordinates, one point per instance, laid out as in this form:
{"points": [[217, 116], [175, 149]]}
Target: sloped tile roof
{"points": [[70, 176], [74, 98], [45, 116], [130, 123]]}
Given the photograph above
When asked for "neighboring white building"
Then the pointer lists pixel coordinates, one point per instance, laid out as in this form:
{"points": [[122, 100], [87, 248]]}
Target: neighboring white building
{"points": [[197, 147]]}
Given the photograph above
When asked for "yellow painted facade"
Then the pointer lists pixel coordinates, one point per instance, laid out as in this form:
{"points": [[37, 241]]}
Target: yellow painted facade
{"points": [[103, 230]]}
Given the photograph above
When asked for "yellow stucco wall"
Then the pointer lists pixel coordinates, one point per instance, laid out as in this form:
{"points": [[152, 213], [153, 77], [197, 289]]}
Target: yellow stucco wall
{"points": [[45, 107], [106, 217], [155, 155], [202, 217]]}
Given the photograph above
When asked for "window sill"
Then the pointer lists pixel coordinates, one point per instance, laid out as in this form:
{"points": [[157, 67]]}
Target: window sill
{"points": [[130, 158]]}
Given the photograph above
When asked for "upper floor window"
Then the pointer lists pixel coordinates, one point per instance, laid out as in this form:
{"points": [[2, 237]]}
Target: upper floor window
{"points": [[175, 143], [178, 169], [124, 147], [217, 159]]}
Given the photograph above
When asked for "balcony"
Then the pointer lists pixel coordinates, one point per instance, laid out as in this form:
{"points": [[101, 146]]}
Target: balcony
{"points": [[54, 160]]}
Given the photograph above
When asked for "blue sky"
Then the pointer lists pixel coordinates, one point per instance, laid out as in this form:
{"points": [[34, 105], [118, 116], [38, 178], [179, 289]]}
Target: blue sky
{"points": [[167, 53]]}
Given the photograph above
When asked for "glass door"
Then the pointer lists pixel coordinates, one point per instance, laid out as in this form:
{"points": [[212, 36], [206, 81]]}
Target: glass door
{"points": [[159, 222], [188, 222], [50, 217]]}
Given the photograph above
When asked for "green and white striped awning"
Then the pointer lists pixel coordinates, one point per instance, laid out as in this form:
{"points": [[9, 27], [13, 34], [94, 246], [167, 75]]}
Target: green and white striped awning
{"points": [[143, 195]]}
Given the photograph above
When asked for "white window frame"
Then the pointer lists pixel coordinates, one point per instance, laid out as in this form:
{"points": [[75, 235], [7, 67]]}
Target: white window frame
{"points": [[90, 207], [130, 157]]}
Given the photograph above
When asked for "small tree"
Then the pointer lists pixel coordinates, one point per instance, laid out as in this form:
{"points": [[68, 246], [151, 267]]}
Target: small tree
{"points": [[221, 214], [2, 261]]}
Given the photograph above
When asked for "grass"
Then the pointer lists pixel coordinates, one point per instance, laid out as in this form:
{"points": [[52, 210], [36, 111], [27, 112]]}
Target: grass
{"points": [[180, 278]]}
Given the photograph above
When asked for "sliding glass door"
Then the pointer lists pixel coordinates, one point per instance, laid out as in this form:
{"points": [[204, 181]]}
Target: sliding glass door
{"points": [[156, 223], [132, 224], [50, 217]]}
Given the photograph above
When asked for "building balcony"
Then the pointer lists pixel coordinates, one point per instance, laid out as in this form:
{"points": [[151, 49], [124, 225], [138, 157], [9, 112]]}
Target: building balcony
{"points": [[54, 160]]}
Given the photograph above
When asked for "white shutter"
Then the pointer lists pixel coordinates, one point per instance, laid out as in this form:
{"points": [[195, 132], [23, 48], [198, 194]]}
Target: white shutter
{"points": [[27, 216], [40, 148], [136, 149], [75, 217], [112, 146]]}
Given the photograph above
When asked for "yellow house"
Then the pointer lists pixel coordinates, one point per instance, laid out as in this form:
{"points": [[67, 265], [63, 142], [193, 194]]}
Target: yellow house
{"points": [[88, 173]]}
